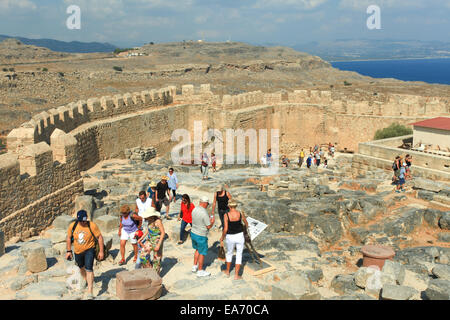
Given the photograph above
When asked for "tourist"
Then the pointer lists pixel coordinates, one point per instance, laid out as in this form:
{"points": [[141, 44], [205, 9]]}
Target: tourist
{"points": [[233, 233], [332, 150], [144, 260], [401, 178], [154, 235], [214, 161], [301, 158], [221, 197], [143, 202], [185, 215], [309, 161], [163, 196], [317, 159], [396, 168], [408, 160], [83, 234], [151, 191], [269, 157], [204, 166], [325, 162], [201, 223], [285, 161], [264, 161], [173, 183], [128, 225]]}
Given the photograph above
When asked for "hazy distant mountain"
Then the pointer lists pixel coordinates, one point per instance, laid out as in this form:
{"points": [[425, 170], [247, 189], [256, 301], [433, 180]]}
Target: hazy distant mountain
{"points": [[348, 49], [62, 46]]}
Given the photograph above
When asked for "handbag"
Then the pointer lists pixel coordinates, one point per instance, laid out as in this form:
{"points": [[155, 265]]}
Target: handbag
{"points": [[97, 246], [221, 254]]}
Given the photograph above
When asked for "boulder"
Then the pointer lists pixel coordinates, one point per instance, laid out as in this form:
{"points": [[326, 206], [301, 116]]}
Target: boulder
{"points": [[429, 185], [285, 242], [140, 284], [362, 275], [296, 287], [17, 283], [327, 227], [34, 254], [432, 216], [107, 224], [394, 292], [344, 284], [444, 221], [426, 195], [438, 289], [62, 222], [85, 203], [314, 274], [396, 270], [442, 271], [57, 235]]}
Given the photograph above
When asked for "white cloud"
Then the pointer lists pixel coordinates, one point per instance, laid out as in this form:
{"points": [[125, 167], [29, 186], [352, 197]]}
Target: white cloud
{"points": [[300, 4], [17, 4], [363, 4]]}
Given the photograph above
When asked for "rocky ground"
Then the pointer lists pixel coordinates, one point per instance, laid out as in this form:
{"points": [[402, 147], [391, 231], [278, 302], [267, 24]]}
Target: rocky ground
{"points": [[317, 222]]}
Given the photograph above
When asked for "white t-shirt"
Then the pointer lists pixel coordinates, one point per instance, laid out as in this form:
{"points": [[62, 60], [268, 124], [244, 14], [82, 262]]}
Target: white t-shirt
{"points": [[142, 206]]}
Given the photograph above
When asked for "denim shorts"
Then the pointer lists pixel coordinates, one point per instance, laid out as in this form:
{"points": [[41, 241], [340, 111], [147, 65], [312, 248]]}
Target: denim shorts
{"points": [[86, 259], [200, 244]]}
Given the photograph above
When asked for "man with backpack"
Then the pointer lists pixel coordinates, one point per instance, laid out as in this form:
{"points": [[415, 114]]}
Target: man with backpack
{"points": [[85, 235]]}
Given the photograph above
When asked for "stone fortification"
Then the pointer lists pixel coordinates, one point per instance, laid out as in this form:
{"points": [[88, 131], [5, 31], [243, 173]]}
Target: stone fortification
{"points": [[41, 173]]}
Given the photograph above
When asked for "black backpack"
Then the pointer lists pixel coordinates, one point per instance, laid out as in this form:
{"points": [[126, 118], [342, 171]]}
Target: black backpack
{"points": [[394, 166]]}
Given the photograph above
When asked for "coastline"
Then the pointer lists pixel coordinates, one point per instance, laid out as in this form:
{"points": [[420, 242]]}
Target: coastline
{"points": [[392, 59]]}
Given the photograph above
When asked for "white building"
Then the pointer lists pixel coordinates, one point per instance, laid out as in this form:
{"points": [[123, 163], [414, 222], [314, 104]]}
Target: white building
{"points": [[434, 133]]}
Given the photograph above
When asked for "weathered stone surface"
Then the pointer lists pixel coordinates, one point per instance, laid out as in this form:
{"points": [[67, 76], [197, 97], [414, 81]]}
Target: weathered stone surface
{"points": [[107, 224], [438, 289], [394, 292], [44, 290], [141, 284], [296, 287], [62, 222], [35, 258], [314, 274], [57, 235], [267, 241], [85, 203], [444, 236], [17, 283], [344, 284], [2, 243], [357, 296], [444, 221], [396, 270], [362, 275], [442, 271], [425, 195], [430, 185], [327, 227], [432, 216]]}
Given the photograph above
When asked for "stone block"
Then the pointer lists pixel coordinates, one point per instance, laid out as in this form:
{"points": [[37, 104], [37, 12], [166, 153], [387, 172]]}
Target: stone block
{"points": [[394, 292], [444, 236], [438, 289], [444, 221], [107, 224], [296, 287], [344, 284], [62, 222], [34, 254], [85, 203], [140, 284], [396, 270], [442, 271], [362, 275], [57, 235]]}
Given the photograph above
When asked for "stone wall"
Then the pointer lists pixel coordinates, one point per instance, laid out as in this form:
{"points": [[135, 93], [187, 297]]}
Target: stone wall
{"points": [[47, 154]]}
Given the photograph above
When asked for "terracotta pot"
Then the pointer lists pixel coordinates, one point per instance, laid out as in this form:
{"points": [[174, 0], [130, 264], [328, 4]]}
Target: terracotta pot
{"points": [[375, 255]]}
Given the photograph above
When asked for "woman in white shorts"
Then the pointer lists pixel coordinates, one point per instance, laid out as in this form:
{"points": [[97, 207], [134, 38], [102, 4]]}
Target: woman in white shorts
{"points": [[233, 233], [129, 224]]}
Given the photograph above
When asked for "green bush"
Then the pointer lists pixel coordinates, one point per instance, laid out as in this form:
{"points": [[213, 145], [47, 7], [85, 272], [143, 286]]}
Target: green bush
{"points": [[5, 69], [12, 69], [394, 130], [347, 83], [118, 68], [44, 69], [120, 50]]}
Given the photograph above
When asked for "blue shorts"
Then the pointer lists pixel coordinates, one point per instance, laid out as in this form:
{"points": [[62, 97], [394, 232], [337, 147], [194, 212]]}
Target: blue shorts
{"points": [[200, 244], [401, 181], [86, 259]]}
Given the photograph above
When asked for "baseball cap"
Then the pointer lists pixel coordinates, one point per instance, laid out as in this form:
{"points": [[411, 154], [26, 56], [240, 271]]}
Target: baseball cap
{"points": [[82, 215], [204, 199]]}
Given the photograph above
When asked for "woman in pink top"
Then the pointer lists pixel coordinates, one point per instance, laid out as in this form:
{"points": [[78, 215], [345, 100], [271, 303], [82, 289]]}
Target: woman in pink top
{"points": [[186, 215]]}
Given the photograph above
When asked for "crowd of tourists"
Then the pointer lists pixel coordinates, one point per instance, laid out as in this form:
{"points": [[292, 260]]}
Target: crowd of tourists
{"points": [[402, 172], [143, 228]]}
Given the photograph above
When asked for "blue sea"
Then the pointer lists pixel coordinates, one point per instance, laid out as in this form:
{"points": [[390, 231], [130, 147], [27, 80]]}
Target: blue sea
{"points": [[427, 70]]}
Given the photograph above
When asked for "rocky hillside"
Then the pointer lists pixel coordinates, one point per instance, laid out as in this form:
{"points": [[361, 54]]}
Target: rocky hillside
{"points": [[14, 51]]}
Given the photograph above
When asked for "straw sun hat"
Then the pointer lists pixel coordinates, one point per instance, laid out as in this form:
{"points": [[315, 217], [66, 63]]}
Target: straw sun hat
{"points": [[150, 212]]}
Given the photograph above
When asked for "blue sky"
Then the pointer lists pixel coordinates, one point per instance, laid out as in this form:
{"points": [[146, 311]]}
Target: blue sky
{"points": [[285, 22]]}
